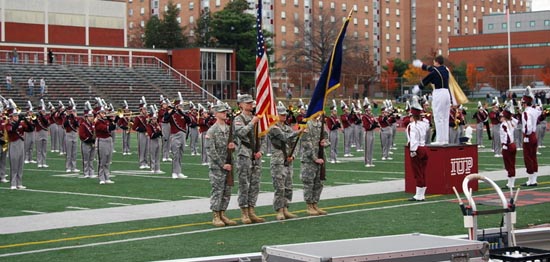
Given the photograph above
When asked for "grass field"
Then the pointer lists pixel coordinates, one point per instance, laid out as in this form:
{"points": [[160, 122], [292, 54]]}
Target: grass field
{"points": [[54, 190]]}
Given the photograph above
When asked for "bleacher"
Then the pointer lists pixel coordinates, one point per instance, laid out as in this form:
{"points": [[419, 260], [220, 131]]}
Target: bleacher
{"points": [[83, 83]]}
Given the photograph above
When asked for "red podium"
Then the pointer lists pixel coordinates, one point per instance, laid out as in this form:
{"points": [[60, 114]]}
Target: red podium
{"points": [[447, 167]]}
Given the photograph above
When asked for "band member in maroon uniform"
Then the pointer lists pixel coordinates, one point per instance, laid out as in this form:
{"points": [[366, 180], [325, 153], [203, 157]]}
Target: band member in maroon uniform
{"points": [[165, 125], [103, 128], [386, 120], [70, 125], [42, 124], [86, 133], [369, 125], [206, 120], [59, 118], [193, 129], [345, 121], [494, 118], [154, 132], [529, 122], [507, 126], [178, 128], [333, 125], [482, 119], [140, 123], [124, 123], [16, 133]]}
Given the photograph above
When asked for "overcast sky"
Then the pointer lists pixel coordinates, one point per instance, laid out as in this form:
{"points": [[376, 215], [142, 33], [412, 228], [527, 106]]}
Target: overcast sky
{"points": [[538, 5]]}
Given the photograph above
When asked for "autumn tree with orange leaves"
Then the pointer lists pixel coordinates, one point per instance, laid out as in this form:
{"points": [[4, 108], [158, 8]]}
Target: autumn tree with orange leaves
{"points": [[388, 78], [414, 75], [471, 76]]}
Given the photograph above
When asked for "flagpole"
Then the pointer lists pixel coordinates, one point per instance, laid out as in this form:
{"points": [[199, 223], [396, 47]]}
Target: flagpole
{"points": [[509, 50]]}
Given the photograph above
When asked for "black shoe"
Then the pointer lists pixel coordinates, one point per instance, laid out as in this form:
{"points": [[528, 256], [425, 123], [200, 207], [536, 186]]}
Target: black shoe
{"points": [[414, 199]]}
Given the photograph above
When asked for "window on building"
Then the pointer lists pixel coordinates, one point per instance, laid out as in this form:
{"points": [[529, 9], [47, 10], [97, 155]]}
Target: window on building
{"points": [[131, 25], [474, 31], [344, 7], [448, 29], [218, 3], [129, 1], [465, 7], [355, 35], [366, 22], [398, 49], [483, 9], [142, 23], [474, 8], [387, 23], [448, 5], [546, 22], [296, 30], [518, 24], [142, 11], [397, 12], [439, 16], [191, 5], [283, 43], [397, 1], [296, 2], [466, 30], [306, 3], [466, 19], [532, 24], [332, 19], [178, 6], [296, 16], [439, 4], [490, 27], [439, 41], [355, 20], [283, 29], [130, 12], [321, 4], [439, 28], [474, 20], [332, 5], [191, 19], [397, 25], [387, 36], [366, 8], [387, 10], [448, 17], [504, 25], [355, 8], [366, 35], [387, 49], [397, 37], [283, 15]]}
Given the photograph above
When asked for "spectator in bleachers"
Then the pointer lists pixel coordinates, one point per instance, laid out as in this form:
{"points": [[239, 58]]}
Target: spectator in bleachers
{"points": [[50, 57], [14, 56], [31, 86], [42, 87], [8, 81]]}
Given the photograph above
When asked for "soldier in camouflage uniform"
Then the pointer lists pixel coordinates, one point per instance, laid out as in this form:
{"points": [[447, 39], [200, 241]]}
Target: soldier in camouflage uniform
{"points": [[248, 162], [217, 147], [282, 140], [311, 165]]}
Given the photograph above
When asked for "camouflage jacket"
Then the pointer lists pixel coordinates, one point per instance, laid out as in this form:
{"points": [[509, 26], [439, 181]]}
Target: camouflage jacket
{"points": [[216, 145], [310, 141], [281, 137]]}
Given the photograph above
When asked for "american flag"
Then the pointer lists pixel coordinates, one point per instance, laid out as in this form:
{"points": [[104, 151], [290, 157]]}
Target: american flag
{"points": [[265, 103]]}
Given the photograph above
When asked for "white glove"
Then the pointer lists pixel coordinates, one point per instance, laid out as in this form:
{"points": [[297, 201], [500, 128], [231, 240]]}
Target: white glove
{"points": [[417, 63], [504, 147], [526, 140], [413, 154], [415, 90]]}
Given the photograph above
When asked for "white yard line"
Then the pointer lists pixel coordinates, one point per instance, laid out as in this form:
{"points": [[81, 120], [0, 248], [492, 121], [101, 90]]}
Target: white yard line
{"points": [[97, 195], [32, 212], [77, 208], [119, 204]]}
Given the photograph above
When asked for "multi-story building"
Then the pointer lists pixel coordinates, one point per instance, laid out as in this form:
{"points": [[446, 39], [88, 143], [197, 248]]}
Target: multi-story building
{"points": [[403, 29]]}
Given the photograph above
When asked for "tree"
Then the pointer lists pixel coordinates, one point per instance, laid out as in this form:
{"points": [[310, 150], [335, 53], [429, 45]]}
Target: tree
{"points": [[203, 32], [471, 76], [152, 32], [234, 28], [497, 67], [389, 77], [165, 33], [459, 73], [413, 75]]}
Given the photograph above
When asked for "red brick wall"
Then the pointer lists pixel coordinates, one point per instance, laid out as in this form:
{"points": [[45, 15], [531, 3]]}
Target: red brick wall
{"points": [[24, 33]]}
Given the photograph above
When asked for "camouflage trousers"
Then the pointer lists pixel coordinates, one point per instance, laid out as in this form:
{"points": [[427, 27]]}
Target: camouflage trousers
{"points": [[249, 182], [221, 192], [282, 184], [313, 186]]}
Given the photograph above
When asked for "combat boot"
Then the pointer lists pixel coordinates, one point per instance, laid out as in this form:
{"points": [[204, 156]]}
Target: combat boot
{"points": [[253, 217], [244, 216], [226, 220], [288, 214], [280, 214], [216, 221], [311, 210], [319, 210]]}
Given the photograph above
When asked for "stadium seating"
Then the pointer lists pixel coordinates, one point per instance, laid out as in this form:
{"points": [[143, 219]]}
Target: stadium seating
{"points": [[84, 83]]}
